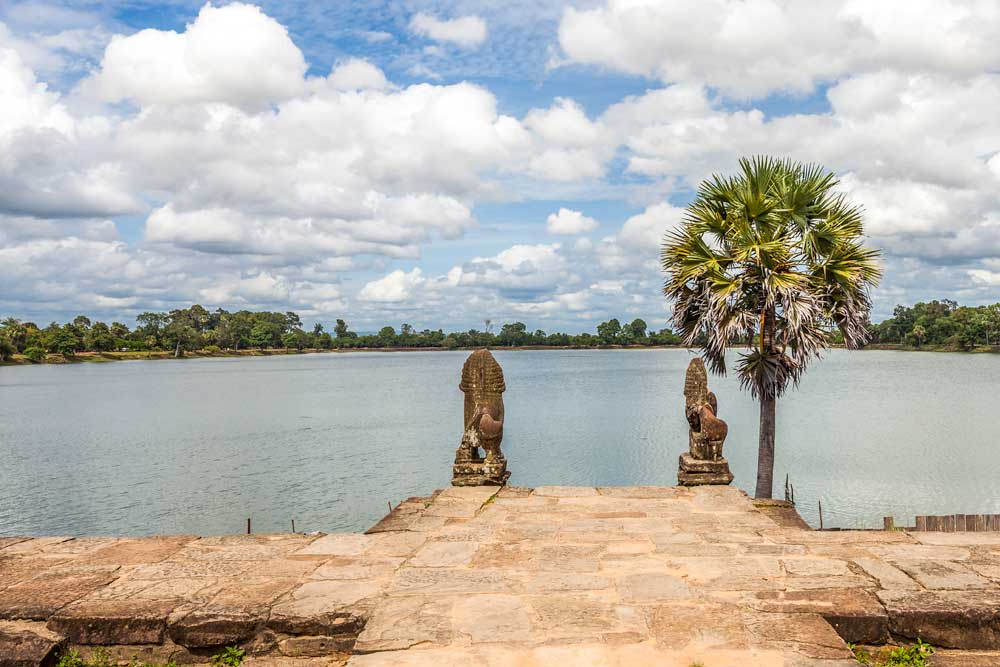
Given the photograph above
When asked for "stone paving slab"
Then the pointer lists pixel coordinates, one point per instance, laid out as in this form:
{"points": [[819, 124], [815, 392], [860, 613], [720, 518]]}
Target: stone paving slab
{"points": [[513, 576]]}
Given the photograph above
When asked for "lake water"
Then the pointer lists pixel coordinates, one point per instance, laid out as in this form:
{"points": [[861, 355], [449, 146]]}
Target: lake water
{"points": [[197, 446]]}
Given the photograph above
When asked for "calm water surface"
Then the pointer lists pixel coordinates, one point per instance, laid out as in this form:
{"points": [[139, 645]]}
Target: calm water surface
{"points": [[197, 446]]}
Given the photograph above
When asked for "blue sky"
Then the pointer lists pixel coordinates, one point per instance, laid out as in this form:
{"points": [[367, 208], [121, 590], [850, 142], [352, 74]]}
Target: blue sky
{"points": [[445, 162]]}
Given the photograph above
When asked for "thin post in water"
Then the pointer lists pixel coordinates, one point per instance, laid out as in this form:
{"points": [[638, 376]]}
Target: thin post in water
{"points": [[293, 525], [820, 514], [248, 525]]}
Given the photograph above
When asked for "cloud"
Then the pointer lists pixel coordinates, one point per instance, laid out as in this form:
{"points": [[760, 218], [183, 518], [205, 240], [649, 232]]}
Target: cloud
{"points": [[239, 177], [569, 222], [234, 54], [393, 288], [357, 74], [749, 49], [465, 31], [643, 233]]}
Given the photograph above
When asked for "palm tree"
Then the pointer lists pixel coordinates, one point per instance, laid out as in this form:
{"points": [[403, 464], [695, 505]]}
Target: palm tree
{"points": [[919, 333], [771, 258]]}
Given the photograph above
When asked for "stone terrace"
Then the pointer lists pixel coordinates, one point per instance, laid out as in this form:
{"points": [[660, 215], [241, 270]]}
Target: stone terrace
{"points": [[556, 575]]}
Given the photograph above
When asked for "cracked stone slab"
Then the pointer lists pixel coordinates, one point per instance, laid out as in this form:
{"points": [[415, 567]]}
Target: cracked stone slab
{"points": [[217, 626], [443, 554], [26, 644], [346, 569], [139, 551], [33, 545], [806, 634], [935, 574], [338, 544], [9, 541], [856, 615], [104, 622], [708, 626], [401, 622], [325, 607], [652, 586], [425, 581], [494, 618], [887, 576], [658, 492], [565, 491], [578, 617], [475, 494], [39, 598], [967, 619]]}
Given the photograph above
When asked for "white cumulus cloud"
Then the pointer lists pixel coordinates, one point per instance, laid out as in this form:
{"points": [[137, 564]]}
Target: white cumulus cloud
{"points": [[394, 287], [465, 31], [569, 222], [234, 54]]}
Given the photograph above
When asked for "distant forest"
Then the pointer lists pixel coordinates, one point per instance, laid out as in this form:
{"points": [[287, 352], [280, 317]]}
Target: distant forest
{"points": [[197, 328], [941, 324]]}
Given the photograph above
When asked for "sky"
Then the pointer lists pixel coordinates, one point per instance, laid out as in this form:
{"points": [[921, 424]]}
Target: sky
{"points": [[444, 163]]}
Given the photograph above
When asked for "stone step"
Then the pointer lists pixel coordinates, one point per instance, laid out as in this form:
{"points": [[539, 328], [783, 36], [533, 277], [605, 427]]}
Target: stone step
{"points": [[26, 644], [961, 619], [402, 515]]}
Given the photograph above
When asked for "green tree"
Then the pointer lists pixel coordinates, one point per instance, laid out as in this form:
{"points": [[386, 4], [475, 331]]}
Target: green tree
{"points": [[15, 332], [513, 333], [919, 333], [341, 331], [772, 255], [119, 330], [636, 329], [387, 336], [150, 325], [99, 338], [260, 335], [609, 332], [67, 340], [7, 348]]}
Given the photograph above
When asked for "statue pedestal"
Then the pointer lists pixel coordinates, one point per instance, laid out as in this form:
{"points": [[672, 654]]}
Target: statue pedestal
{"points": [[479, 473], [699, 472]]}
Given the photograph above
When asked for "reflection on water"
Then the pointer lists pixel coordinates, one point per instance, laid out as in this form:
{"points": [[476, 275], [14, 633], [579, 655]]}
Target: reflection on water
{"points": [[329, 439]]}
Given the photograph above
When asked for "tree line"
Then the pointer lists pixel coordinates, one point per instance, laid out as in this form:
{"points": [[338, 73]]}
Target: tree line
{"points": [[938, 323], [196, 328]]}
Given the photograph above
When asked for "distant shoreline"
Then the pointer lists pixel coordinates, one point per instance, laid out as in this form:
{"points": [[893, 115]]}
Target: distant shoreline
{"points": [[152, 355]]}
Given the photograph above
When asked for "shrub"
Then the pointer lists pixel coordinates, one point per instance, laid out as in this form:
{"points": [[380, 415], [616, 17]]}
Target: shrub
{"points": [[35, 354]]}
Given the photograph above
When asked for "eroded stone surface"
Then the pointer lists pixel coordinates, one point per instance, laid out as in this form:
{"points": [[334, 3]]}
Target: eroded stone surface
{"points": [[26, 644], [478, 575]]}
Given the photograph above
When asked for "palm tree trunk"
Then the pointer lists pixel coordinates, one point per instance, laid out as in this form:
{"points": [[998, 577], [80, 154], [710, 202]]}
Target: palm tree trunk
{"points": [[765, 450]]}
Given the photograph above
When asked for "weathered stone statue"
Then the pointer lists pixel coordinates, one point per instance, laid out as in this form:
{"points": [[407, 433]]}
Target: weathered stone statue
{"points": [[483, 384], [703, 463]]}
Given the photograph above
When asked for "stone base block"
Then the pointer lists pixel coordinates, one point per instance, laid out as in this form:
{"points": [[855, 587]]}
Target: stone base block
{"points": [[698, 472], [478, 473]]}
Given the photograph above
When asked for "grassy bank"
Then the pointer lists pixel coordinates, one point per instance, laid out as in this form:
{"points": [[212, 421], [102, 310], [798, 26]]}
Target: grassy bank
{"points": [[150, 355], [932, 348]]}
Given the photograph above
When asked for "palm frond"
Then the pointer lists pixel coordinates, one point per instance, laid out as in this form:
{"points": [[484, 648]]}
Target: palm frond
{"points": [[774, 237]]}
